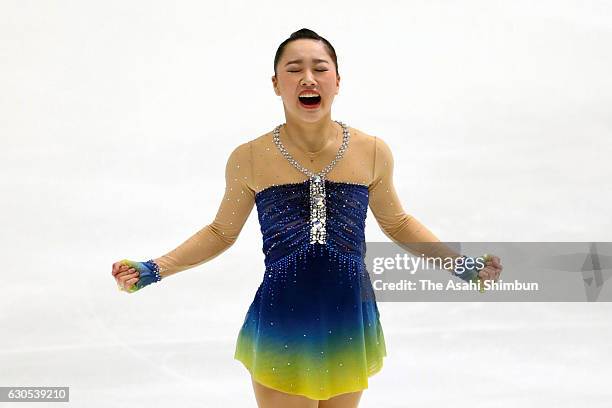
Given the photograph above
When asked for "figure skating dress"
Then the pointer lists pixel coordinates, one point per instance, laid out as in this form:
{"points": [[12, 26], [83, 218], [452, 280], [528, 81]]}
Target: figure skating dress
{"points": [[313, 327]]}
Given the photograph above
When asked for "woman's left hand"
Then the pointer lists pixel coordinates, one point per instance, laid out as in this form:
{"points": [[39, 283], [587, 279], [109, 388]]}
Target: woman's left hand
{"points": [[492, 269]]}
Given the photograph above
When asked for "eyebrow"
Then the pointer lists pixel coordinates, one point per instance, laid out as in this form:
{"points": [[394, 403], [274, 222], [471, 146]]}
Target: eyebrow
{"points": [[299, 61]]}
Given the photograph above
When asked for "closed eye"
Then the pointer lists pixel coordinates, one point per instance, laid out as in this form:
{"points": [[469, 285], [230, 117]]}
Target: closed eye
{"points": [[319, 70]]}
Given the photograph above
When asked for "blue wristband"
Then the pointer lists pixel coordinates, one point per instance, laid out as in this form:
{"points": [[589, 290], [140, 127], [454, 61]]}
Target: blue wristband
{"points": [[465, 273]]}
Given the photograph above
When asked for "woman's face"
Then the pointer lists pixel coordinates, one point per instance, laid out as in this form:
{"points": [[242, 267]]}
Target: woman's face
{"points": [[306, 65]]}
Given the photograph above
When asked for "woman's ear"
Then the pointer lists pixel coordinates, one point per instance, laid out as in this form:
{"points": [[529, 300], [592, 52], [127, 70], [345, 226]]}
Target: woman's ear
{"points": [[275, 85]]}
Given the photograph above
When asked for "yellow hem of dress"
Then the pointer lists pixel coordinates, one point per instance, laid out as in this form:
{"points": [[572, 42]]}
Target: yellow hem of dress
{"points": [[371, 372]]}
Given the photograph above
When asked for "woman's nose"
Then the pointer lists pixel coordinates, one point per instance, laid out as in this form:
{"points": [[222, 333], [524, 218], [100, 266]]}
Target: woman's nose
{"points": [[308, 78]]}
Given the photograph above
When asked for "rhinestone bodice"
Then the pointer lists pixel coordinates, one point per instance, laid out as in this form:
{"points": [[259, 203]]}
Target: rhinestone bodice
{"points": [[284, 217]]}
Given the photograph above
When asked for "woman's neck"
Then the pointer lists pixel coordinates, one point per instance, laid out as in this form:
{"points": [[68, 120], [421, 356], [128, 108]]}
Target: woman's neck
{"points": [[311, 138]]}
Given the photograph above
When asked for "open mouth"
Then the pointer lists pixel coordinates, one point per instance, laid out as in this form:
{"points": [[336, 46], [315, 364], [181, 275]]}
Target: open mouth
{"points": [[310, 100]]}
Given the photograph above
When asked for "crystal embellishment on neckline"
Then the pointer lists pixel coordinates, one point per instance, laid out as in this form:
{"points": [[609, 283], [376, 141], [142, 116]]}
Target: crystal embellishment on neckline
{"points": [[318, 198]]}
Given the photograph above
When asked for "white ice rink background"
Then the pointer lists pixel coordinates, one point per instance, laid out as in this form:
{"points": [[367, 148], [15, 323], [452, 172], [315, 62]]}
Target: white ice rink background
{"points": [[117, 117]]}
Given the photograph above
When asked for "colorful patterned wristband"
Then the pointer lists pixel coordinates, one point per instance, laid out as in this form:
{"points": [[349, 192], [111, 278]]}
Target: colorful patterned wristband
{"points": [[148, 273], [470, 274]]}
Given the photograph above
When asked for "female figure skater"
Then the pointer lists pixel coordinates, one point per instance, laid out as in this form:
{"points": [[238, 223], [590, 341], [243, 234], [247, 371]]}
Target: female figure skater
{"points": [[312, 335]]}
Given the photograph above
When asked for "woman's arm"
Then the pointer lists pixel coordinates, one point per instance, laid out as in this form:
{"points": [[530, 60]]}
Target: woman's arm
{"points": [[403, 229], [409, 233], [215, 238]]}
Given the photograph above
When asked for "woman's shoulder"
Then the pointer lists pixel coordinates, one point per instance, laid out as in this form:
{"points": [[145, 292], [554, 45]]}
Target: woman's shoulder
{"points": [[368, 142], [247, 145], [360, 136], [264, 139]]}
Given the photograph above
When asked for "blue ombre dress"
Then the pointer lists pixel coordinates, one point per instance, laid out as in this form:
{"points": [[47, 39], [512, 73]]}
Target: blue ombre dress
{"points": [[313, 327]]}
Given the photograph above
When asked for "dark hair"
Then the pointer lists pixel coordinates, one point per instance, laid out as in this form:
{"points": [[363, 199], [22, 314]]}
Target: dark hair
{"points": [[309, 34]]}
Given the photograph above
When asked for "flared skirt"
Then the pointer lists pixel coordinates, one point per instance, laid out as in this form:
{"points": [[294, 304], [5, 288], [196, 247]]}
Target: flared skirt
{"points": [[313, 328]]}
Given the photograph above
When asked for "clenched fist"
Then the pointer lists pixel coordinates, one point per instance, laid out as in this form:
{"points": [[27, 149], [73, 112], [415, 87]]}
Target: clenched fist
{"points": [[132, 276], [492, 269]]}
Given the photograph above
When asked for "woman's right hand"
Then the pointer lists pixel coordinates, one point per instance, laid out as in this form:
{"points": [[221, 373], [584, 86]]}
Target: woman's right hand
{"points": [[124, 275]]}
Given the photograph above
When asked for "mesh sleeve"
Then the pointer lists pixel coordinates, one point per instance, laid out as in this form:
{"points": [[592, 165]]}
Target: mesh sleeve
{"points": [[386, 206], [403, 229], [218, 236]]}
